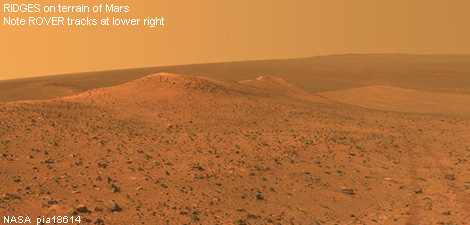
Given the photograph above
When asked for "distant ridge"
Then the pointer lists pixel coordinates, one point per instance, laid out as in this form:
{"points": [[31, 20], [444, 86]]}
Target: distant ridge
{"points": [[153, 89], [438, 73], [403, 100]]}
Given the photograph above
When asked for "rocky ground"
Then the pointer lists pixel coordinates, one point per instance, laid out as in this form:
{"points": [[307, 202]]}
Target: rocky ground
{"points": [[173, 149]]}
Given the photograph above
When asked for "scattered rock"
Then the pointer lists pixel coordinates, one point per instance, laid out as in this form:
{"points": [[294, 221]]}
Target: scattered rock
{"points": [[82, 209], [315, 222], [450, 176], [72, 212], [114, 188], [169, 126], [114, 207], [252, 216], [195, 216], [241, 222], [52, 202], [9, 196], [446, 213], [198, 167], [428, 203], [102, 165], [348, 191]]}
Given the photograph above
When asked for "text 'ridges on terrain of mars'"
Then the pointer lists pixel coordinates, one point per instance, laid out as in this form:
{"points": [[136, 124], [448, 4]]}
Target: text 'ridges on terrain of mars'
{"points": [[62, 14]]}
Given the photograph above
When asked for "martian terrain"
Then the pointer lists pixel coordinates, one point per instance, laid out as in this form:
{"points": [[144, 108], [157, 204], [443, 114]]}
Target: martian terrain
{"points": [[185, 148]]}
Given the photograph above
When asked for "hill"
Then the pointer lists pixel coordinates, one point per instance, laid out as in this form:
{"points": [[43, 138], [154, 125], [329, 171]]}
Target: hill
{"points": [[437, 73], [175, 149]]}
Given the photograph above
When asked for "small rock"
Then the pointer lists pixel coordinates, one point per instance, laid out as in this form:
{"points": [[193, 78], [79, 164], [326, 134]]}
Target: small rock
{"points": [[169, 126], [348, 191], [418, 191], [241, 222], [9, 196], [114, 188], [82, 209], [52, 202], [198, 167], [252, 216], [315, 222], [428, 203], [447, 213], [72, 212], [113, 207], [102, 165], [450, 176], [195, 217]]}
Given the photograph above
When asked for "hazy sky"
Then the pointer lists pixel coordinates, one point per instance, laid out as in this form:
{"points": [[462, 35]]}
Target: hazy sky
{"points": [[198, 31]]}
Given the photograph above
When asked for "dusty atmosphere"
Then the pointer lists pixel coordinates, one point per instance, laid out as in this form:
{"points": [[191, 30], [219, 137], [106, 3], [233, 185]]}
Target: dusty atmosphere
{"points": [[246, 112], [178, 149]]}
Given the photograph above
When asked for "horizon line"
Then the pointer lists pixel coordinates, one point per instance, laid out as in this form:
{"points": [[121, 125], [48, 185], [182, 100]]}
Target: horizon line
{"points": [[220, 62]]}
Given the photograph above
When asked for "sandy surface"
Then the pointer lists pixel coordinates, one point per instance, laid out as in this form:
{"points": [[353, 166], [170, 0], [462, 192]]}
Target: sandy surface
{"points": [[174, 149], [403, 100]]}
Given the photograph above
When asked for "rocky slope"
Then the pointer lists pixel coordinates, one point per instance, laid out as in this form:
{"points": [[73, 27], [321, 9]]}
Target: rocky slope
{"points": [[174, 149]]}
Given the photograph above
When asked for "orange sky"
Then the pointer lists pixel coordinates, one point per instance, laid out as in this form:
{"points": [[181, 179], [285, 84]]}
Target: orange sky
{"points": [[198, 31]]}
